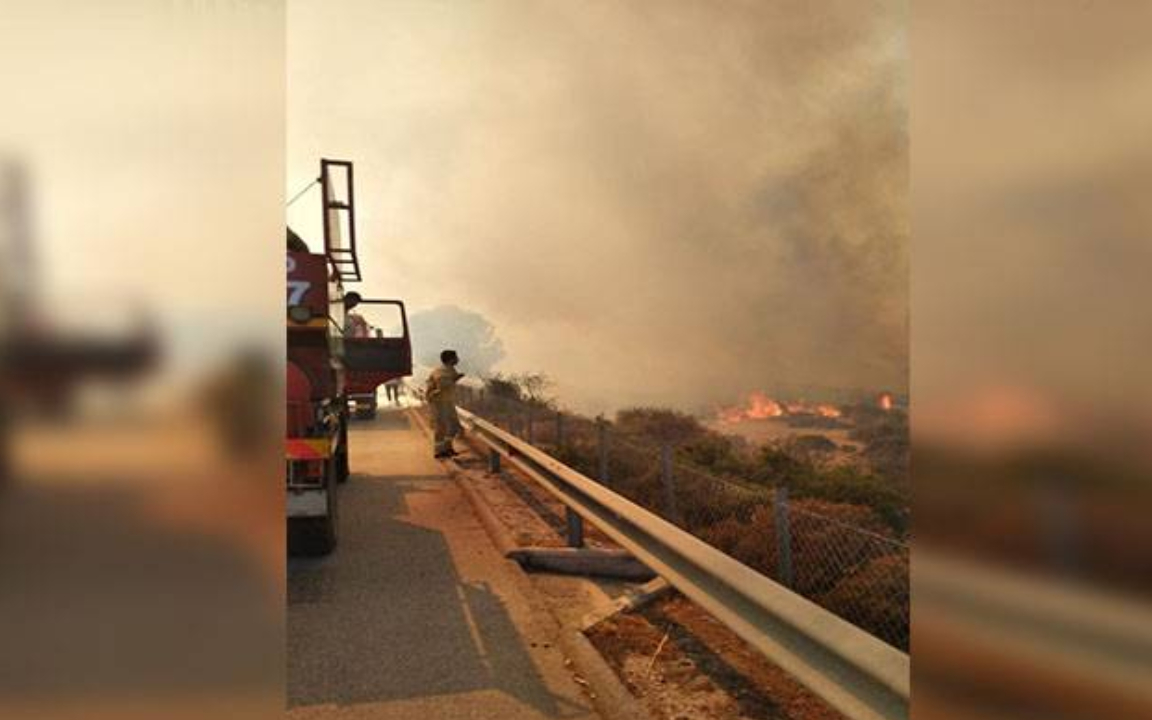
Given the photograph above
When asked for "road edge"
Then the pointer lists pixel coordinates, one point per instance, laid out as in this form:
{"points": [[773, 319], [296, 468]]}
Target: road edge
{"points": [[609, 695]]}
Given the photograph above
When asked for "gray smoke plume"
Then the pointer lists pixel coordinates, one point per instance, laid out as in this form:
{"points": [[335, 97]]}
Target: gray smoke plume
{"points": [[672, 202], [470, 334]]}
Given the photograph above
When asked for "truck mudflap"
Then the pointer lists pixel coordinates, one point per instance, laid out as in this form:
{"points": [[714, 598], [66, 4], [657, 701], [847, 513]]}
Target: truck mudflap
{"points": [[309, 503]]}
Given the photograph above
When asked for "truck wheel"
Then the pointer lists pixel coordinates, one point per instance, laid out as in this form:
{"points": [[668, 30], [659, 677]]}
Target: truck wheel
{"points": [[316, 536], [311, 537], [366, 411]]}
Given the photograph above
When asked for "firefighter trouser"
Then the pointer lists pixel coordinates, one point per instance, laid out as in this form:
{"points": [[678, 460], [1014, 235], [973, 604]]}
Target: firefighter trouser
{"points": [[446, 425]]}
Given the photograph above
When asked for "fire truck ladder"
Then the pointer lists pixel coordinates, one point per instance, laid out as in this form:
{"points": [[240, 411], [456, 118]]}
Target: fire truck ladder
{"points": [[339, 219]]}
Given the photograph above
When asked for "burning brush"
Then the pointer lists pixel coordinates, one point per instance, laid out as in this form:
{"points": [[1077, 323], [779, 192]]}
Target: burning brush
{"points": [[761, 407]]}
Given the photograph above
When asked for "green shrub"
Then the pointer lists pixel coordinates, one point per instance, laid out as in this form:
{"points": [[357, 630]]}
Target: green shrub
{"points": [[658, 425]]}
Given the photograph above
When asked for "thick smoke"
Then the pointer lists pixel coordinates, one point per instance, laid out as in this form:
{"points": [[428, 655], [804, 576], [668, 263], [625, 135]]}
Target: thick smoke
{"points": [[653, 202], [450, 327]]}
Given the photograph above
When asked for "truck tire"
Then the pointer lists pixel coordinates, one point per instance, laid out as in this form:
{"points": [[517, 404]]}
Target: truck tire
{"points": [[366, 411], [316, 537], [311, 537]]}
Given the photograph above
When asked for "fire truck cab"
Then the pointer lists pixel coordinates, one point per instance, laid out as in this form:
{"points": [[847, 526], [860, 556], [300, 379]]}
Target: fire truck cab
{"points": [[324, 362]]}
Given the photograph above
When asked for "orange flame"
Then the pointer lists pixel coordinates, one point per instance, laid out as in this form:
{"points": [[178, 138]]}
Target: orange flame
{"points": [[828, 411], [761, 407]]}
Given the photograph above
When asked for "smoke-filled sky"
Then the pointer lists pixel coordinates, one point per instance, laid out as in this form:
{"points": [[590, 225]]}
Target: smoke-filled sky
{"points": [[655, 202]]}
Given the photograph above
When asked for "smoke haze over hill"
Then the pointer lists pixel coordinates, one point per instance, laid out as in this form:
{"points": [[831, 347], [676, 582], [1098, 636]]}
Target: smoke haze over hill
{"points": [[651, 202]]}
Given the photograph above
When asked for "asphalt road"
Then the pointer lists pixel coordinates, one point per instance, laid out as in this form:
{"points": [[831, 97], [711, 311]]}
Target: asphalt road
{"points": [[416, 615]]}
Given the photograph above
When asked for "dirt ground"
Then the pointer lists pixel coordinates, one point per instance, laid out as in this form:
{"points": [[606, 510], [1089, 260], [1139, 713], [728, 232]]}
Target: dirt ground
{"points": [[702, 671], [685, 665]]}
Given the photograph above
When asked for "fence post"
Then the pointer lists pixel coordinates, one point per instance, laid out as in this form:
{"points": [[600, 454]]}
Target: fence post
{"points": [[494, 462], [575, 528], [783, 537], [669, 482], [602, 440], [559, 430]]}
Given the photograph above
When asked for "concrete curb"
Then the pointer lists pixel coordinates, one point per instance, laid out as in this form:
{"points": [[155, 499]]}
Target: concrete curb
{"points": [[611, 699], [496, 530], [609, 696], [607, 692], [418, 420]]}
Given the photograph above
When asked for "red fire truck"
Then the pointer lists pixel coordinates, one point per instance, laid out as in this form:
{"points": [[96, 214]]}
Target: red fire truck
{"points": [[324, 362]]}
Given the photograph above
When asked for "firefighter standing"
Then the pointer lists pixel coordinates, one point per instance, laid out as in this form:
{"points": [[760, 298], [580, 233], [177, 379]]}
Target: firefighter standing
{"points": [[441, 394], [355, 326], [392, 391]]}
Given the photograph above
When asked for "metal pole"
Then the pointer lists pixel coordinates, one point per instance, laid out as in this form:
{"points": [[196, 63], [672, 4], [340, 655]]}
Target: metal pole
{"points": [[669, 482], [602, 439], [575, 528], [783, 537]]}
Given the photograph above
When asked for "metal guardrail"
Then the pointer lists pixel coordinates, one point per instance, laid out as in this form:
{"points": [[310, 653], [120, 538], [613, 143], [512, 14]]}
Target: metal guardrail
{"points": [[847, 559], [859, 675]]}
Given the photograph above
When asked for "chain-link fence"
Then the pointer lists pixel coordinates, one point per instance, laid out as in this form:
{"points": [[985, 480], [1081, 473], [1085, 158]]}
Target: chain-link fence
{"points": [[834, 554]]}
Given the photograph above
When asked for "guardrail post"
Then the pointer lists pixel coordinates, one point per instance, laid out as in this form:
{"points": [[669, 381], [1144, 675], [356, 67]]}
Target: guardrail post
{"points": [[575, 528], [602, 441], [669, 482], [783, 537], [493, 462]]}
